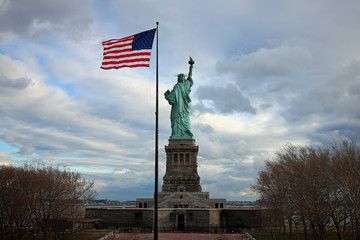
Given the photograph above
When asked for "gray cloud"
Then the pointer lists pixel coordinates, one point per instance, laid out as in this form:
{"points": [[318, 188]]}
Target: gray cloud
{"points": [[266, 63], [330, 106], [224, 99], [19, 83], [281, 85], [336, 97], [34, 17], [205, 128]]}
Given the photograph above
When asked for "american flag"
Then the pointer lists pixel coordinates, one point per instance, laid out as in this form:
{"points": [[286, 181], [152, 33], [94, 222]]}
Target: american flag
{"points": [[131, 51]]}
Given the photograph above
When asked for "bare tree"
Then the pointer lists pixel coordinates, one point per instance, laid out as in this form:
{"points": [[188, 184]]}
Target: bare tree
{"points": [[39, 199], [346, 161], [315, 187]]}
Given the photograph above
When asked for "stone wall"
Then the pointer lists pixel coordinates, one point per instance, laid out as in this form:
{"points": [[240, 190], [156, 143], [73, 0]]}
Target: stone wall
{"points": [[122, 217], [175, 219], [182, 200]]}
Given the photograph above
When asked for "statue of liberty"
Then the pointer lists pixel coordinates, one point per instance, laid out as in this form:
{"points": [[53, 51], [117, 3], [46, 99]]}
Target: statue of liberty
{"points": [[179, 100]]}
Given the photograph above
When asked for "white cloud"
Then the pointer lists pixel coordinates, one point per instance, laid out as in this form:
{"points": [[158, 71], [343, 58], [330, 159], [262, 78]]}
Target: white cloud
{"points": [[265, 75]]}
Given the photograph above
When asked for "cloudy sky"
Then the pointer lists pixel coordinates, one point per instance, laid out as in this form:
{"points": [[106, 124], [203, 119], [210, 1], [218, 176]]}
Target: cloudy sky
{"points": [[266, 74]]}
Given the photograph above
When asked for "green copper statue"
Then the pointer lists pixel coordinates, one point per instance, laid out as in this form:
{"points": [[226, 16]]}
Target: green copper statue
{"points": [[179, 100]]}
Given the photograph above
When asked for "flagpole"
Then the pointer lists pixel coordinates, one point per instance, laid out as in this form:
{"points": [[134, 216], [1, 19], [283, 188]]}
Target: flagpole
{"points": [[156, 137]]}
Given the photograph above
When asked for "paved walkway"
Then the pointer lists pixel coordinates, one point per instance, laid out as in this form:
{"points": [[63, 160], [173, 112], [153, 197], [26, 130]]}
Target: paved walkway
{"points": [[179, 236]]}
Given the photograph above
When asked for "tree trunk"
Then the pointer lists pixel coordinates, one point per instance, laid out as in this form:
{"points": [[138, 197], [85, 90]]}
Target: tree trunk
{"points": [[305, 228], [290, 227], [336, 223]]}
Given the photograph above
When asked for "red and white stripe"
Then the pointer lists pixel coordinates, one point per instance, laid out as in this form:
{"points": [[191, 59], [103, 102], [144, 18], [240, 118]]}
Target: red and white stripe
{"points": [[118, 53]]}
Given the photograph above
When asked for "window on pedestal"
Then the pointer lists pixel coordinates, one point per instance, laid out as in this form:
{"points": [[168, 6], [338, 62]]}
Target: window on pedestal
{"points": [[175, 158], [181, 158], [187, 158]]}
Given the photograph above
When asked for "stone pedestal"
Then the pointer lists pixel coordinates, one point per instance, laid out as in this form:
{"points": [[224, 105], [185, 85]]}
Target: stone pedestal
{"points": [[181, 190], [181, 166]]}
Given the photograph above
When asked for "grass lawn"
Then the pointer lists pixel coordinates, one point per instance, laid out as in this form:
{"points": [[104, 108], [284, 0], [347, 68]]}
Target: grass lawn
{"points": [[89, 235]]}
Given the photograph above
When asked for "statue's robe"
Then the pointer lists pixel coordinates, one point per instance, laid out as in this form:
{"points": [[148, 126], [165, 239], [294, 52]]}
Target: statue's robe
{"points": [[179, 99]]}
